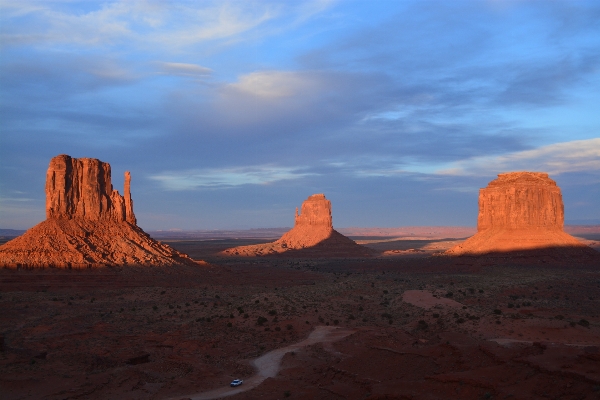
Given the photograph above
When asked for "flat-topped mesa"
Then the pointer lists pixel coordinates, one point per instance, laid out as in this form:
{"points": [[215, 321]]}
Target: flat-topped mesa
{"points": [[521, 211], [521, 200], [316, 211], [82, 188]]}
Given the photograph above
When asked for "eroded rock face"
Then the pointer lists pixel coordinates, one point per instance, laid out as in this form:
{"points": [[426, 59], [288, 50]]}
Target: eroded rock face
{"points": [[521, 200], [312, 233], [88, 224], [518, 211], [316, 211], [82, 188]]}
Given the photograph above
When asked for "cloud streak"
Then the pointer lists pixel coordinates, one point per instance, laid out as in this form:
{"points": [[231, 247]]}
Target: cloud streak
{"points": [[558, 158], [224, 178]]}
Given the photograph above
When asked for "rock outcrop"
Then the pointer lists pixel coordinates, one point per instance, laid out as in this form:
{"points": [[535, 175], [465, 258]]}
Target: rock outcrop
{"points": [[519, 211], [312, 235], [88, 223]]}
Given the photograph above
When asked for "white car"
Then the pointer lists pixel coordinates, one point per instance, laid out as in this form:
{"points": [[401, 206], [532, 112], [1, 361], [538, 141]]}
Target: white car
{"points": [[236, 382]]}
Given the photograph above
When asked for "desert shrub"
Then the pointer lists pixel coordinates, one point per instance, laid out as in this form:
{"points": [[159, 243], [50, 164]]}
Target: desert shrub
{"points": [[449, 294], [364, 320], [229, 324], [289, 327], [246, 316], [510, 305], [273, 312], [287, 393], [497, 311], [480, 290], [217, 296], [351, 316], [231, 316], [385, 292], [240, 310], [256, 301], [584, 323], [360, 297], [208, 319], [187, 304], [154, 308], [422, 324], [471, 290], [321, 319], [335, 321], [327, 323], [163, 292], [390, 321], [436, 315], [360, 308], [261, 320], [277, 328], [307, 323], [460, 320], [386, 315], [559, 317]]}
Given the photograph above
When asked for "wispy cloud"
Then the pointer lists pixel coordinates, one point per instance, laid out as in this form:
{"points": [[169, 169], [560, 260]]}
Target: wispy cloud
{"points": [[558, 158], [184, 69], [227, 177], [168, 25]]}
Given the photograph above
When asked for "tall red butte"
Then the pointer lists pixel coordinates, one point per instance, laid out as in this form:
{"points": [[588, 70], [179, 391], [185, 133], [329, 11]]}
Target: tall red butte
{"points": [[312, 235], [88, 223], [519, 211]]}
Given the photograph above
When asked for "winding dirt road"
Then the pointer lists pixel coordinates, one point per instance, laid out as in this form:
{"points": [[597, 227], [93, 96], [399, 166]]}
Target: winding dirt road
{"points": [[268, 365]]}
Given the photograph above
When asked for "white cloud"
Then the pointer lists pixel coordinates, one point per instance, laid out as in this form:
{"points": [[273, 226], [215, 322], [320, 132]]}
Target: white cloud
{"points": [[274, 84], [558, 158], [227, 177], [168, 25], [184, 69]]}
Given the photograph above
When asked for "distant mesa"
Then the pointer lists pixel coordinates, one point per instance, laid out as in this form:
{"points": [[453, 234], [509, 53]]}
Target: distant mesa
{"points": [[88, 224], [519, 211], [312, 235]]}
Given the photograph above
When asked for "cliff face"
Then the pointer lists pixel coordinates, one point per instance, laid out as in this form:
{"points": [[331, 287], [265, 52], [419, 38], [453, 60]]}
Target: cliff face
{"points": [[312, 233], [518, 211], [316, 211], [82, 188], [87, 224], [521, 200]]}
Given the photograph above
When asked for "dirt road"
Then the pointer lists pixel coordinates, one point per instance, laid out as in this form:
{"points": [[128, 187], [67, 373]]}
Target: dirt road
{"points": [[268, 365]]}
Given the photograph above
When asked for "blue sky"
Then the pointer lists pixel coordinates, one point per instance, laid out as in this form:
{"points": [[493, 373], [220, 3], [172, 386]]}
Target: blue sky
{"points": [[230, 114]]}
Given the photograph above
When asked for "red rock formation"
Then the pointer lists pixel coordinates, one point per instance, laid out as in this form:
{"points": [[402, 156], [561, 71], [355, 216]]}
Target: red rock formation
{"points": [[313, 233], [521, 200], [518, 211], [87, 223]]}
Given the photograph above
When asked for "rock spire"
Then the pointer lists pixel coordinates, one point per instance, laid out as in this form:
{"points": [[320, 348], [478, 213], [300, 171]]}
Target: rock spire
{"points": [[88, 224], [82, 188]]}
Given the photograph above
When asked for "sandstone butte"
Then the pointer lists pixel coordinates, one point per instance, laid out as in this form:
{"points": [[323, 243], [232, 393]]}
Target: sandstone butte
{"points": [[87, 224], [312, 235], [519, 211]]}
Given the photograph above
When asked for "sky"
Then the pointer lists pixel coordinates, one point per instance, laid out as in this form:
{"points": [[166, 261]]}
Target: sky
{"points": [[230, 113]]}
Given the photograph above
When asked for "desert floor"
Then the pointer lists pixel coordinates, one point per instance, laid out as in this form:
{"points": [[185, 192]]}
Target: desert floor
{"points": [[410, 324]]}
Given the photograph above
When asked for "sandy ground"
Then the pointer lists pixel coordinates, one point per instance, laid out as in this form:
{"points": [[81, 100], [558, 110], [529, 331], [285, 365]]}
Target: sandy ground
{"points": [[267, 366], [424, 327]]}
